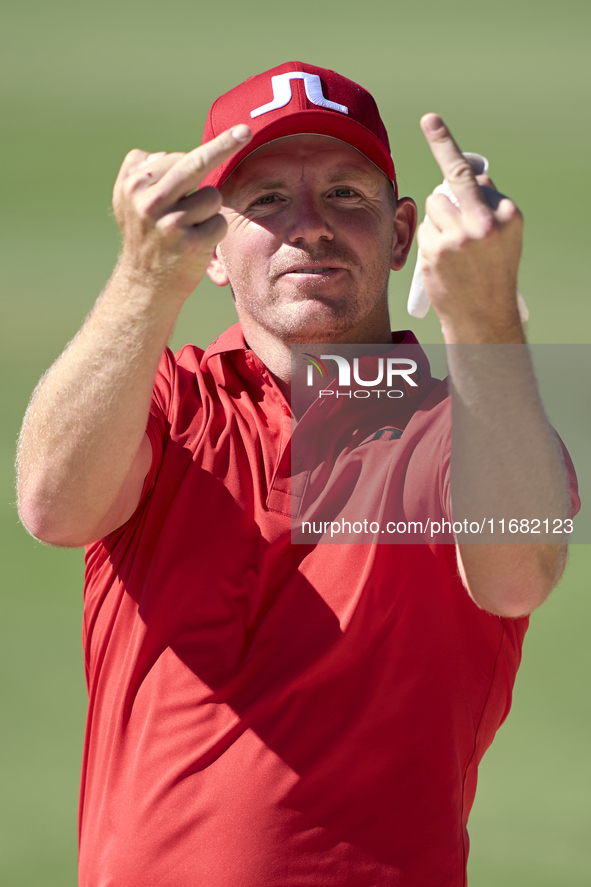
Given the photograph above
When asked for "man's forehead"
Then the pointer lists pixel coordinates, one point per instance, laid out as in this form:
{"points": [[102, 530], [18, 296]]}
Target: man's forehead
{"points": [[331, 157]]}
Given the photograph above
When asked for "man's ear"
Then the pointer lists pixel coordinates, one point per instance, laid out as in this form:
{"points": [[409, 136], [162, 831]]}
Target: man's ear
{"points": [[216, 270], [405, 225]]}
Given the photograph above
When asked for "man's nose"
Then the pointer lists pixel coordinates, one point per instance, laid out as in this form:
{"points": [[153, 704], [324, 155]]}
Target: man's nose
{"points": [[310, 221]]}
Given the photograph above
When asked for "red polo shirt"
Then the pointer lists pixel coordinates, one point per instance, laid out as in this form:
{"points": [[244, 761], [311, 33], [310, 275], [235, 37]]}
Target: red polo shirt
{"points": [[269, 714]]}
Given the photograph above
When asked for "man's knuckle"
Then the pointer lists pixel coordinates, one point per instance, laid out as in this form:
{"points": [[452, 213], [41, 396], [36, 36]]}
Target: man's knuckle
{"points": [[147, 207], [170, 223], [210, 197], [129, 186], [512, 213], [488, 229], [134, 156], [204, 203], [462, 240], [135, 182], [429, 202], [195, 163], [218, 223], [459, 172], [212, 231], [438, 253]]}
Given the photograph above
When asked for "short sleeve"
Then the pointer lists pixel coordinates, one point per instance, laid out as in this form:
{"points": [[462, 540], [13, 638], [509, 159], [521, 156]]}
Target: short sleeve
{"points": [[158, 427], [571, 478]]}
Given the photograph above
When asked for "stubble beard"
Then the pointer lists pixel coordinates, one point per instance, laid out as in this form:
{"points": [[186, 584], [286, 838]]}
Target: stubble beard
{"points": [[310, 317]]}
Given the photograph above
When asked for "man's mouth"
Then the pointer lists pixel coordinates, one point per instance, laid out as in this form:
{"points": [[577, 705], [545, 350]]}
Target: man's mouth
{"points": [[312, 270], [307, 267]]}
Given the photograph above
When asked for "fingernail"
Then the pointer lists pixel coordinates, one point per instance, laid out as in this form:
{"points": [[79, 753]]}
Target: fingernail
{"points": [[241, 133], [432, 122]]}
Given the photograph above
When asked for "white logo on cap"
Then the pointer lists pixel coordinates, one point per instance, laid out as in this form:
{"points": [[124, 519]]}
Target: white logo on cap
{"points": [[282, 93]]}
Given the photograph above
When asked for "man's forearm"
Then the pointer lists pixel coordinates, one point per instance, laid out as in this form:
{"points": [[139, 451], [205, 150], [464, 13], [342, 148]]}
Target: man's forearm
{"points": [[506, 460], [87, 418], [82, 453], [506, 465]]}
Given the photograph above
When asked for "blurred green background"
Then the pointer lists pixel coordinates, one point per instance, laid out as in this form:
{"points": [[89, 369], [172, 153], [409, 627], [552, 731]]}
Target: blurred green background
{"points": [[83, 83]]}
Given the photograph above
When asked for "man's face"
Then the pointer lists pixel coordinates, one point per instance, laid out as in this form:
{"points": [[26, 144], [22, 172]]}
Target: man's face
{"points": [[312, 235]]}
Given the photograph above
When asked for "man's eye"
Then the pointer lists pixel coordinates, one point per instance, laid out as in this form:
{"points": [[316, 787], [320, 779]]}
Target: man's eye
{"points": [[268, 198], [344, 192]]}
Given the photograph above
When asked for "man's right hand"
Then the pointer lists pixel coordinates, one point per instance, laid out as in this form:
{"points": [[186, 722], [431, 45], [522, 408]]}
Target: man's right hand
{"points": [[169, 228], [83, 451]]}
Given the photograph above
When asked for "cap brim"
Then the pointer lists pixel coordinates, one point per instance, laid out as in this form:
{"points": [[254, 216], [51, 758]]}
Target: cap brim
{"points": [[323, 122]]}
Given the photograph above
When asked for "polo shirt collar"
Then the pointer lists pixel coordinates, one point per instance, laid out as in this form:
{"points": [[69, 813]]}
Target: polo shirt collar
{"points": [[232, 339]]}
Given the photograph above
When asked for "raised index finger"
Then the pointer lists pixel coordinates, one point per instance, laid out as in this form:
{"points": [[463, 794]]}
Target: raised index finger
{"points": [[189, 172], [453, 164]]}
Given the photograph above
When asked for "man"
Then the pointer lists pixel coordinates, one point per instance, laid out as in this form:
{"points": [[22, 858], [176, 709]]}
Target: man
{"points": [[261, 712]]}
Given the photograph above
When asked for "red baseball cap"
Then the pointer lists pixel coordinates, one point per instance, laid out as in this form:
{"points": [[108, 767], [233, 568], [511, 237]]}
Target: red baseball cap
{"points": [[293, 99]]}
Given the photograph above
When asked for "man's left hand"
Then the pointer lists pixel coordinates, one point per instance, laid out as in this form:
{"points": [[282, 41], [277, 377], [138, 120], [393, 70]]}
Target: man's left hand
{"points": [[470, 253]]}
